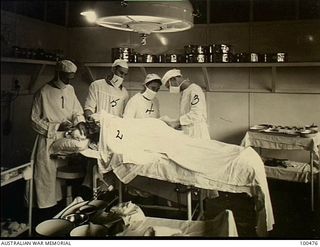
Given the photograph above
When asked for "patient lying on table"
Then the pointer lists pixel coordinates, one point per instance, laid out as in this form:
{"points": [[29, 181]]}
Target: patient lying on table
{"points": [[148, 147]]}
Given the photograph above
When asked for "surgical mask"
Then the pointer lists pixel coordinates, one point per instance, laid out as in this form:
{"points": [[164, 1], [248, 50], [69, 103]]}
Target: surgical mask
{"points": [[175, 89], [149, 94], [60, 84], [116, 81]]}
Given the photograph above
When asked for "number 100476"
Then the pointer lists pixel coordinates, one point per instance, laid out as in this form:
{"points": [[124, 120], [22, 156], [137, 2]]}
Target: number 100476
{"points": [[309, 242]]}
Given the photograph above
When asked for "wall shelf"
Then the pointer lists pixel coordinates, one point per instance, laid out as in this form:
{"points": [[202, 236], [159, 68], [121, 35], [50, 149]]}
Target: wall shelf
{"points": [[210, 65], [209, 83], [24, 60], [14, 174]]}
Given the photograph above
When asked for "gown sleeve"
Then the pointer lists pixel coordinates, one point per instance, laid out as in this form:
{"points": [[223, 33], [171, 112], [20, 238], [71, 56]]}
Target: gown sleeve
{"points": [[77, 114], [129, 111], [91, 101], [41, 124]]}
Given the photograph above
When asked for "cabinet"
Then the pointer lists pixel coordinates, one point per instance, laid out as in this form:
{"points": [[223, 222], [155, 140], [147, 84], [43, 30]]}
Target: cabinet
{"points": [[12, 175], [271, 71], [281, 142]]}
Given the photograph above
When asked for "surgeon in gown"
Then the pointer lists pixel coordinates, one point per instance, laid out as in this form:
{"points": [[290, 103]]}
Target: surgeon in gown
{"points": [[108, 93], [145, 104], [55, 109], [193, 109]]}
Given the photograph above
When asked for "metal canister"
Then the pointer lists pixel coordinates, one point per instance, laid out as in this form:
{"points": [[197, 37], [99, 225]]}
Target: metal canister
{"points": [[122, 53], [225, 48], [161, 58], [148, 58], [173, 58], [200, 56], [254, 57], [225, 58], [220, 48], [201, 49], [265, 58], [211, 49], [281, 57], [125, 55], [278, 57], [134, 58], [210, 58]]}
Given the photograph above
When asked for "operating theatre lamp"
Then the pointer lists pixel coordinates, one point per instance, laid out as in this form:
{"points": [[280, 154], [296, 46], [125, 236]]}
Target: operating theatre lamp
{"points": [[142, 16]]}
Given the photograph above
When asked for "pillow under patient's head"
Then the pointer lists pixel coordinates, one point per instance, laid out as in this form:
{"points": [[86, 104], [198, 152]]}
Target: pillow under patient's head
{"points": [[68, 146]]}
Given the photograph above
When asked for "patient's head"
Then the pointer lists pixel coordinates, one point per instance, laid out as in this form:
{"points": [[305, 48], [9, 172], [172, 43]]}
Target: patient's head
{"points": [[75, 134]]}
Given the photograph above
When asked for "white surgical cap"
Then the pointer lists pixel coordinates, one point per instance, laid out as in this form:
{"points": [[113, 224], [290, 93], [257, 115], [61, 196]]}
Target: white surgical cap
{"points": [[171, 73], [152, 77], [120, 62], [66, 66]]}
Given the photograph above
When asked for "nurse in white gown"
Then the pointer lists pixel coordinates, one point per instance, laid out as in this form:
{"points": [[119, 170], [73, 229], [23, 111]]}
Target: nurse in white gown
{"points": [[145, 104]]}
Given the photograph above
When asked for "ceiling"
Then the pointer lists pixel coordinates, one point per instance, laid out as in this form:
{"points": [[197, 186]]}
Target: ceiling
{"points": [[67, 13]]}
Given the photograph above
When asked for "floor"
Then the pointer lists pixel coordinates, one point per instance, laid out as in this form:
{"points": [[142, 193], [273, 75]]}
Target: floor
{"points": [[291, 206]]}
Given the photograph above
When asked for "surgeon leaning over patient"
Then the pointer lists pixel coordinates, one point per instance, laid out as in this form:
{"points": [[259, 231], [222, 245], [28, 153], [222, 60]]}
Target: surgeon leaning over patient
{"points": [[145, 104], [193, 109], [55, 109], [108, 94]]}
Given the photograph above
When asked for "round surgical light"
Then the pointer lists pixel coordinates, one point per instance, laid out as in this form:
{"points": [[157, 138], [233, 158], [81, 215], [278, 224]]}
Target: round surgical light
{"points": [[144, 16], [91, 16]]}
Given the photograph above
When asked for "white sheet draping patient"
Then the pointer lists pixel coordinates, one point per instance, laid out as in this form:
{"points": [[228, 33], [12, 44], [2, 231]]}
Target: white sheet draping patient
{"points": [[215, 165]]}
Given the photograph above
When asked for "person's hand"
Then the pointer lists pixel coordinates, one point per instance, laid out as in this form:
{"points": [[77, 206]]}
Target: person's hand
{"points": [[89, 118], [65, 126], [75, 134], [96, 118], [82, 127]]}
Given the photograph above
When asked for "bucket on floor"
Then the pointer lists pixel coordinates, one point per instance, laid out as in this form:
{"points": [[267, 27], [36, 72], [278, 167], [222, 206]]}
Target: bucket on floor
{"points": [[90, 230], [54, 228]]}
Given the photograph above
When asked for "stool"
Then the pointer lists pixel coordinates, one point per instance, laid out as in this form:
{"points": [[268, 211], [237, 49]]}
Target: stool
{"points": [[70, 172]]}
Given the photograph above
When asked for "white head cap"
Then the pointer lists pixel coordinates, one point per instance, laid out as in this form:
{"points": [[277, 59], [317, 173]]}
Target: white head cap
{"points": [[152, 77], [169, 74], [120, 62], [66, 66]]}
